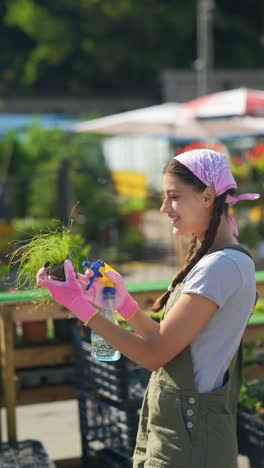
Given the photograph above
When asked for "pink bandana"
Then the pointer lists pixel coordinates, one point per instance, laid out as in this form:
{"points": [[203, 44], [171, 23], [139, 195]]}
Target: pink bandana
{"points": [[213, 170]]}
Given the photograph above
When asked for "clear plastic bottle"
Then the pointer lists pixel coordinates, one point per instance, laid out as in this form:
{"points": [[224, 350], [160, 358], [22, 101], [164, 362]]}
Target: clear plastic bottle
{"points": [[101, 350]]}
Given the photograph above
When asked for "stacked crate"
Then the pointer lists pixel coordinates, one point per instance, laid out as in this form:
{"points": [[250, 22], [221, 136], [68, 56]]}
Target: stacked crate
{"points": [[24, 454], [110, 396]]}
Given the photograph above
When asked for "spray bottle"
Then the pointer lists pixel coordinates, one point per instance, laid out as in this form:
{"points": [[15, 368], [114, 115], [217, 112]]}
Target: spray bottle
{"points": [[101, 350]]}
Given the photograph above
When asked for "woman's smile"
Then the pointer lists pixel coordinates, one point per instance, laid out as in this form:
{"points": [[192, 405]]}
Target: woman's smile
{"points": [[174, 219]]}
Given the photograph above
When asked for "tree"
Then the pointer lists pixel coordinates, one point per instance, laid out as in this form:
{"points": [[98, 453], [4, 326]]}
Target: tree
{"points": [[239, 34], [117, 44], [87, 45]]}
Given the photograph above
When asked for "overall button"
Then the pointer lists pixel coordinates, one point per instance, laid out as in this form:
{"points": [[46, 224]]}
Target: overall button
{"points": [[189, 412], [189, 425], [191, 400]]}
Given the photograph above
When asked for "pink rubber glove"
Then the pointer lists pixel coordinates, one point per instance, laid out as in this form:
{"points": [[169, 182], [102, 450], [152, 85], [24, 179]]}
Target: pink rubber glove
{"points": [[123, 302], [95, 293], [68, 293]]}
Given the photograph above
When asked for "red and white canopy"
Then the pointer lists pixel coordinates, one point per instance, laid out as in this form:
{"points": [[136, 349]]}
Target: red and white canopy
{"points": [[234, 103]]}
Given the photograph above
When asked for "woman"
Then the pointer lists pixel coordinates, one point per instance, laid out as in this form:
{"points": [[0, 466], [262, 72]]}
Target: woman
{"points": [[188, 416]]}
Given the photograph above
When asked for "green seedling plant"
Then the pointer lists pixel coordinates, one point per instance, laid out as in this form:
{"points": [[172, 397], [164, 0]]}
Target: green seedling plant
{"points": [[46, 249]]}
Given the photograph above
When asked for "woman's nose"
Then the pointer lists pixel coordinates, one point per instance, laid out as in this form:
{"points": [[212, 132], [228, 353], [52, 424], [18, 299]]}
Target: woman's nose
{"points": [[165, 206]]}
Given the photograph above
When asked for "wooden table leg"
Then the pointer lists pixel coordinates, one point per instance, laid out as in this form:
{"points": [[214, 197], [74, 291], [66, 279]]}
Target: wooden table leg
{"points": [[8, 374]]}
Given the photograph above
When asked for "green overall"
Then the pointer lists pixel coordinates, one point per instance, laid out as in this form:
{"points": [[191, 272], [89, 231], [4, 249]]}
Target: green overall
{"points": [[180, 428]]}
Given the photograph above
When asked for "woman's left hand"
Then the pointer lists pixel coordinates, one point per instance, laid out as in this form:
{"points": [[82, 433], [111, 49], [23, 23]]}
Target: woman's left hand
{"points": [[68, 293]]}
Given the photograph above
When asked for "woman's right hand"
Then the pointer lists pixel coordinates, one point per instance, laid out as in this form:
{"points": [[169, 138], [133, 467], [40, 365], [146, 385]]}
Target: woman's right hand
{"points": [[95, 292], [122, 301]]}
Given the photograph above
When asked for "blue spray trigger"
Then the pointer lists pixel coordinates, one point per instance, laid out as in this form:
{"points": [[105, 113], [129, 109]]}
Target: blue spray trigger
{"points": [[95, 267], [87, 264], [91, 280]]}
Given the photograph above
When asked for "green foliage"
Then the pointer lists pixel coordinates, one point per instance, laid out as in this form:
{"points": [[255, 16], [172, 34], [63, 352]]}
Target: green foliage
{"points": [[237, 33], [51, 248], [252, 396], [44, 28], [26, 228], [3, 276], [131, 239], [133, 204], [248, 351], [93, 188], [79, 46], [79, 251], [7, 235], [249, 234], [44, 149], [34, 160], [22, 229], [259, 307]]}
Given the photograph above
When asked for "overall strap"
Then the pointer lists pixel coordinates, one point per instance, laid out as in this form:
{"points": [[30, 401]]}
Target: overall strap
{"points": [[238, 247]]}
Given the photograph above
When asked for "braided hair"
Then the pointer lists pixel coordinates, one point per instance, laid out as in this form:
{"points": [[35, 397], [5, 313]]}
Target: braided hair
{"points": [[174, 167]]}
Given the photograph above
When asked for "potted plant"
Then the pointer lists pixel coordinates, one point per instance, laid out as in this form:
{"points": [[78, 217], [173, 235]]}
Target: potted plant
{"points": [[49, 249]]}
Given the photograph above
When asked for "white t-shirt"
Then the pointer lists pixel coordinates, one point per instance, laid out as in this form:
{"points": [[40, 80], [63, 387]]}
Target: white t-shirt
{"points": [[227, 277]]}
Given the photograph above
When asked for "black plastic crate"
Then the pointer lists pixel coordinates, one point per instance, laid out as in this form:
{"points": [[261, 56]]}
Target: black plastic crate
{"points": [[110, 396], [107, 459], [24, 454], [120, 382], [41, 376], [250, 436], [107, 431]]}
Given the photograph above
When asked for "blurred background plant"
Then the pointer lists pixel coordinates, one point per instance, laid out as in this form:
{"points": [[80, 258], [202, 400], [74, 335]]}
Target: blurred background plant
{"points": [[248, 166], [3, 276], [252, 397], [45, 174]]}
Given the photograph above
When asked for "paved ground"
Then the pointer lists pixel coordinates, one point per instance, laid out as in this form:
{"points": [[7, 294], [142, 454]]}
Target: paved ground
{"points": [[56, 425]]}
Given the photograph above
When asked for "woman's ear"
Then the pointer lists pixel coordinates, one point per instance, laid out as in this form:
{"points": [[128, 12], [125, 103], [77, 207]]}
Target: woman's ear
{"points": [[208, 196]]}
